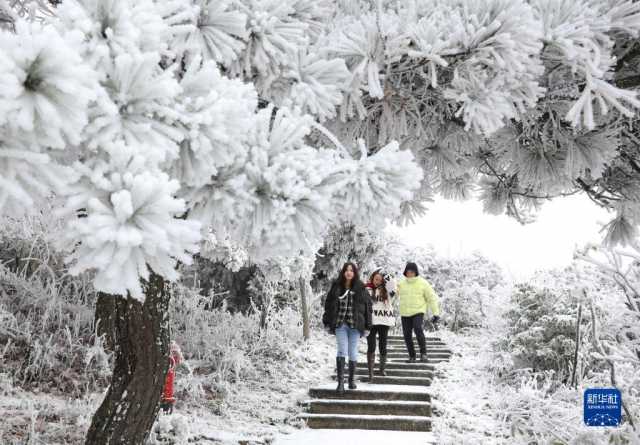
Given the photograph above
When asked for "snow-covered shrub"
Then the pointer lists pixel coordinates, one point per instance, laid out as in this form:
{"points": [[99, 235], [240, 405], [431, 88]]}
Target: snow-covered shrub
{"points": [[47, 332], [223, 343], [468, 287], [542, 329], [616, 339], [233, 364], [170, 430], [480, 397], [538, 410]]}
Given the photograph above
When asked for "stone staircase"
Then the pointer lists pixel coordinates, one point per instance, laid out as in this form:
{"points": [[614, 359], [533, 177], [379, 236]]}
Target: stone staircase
{"points": [[399, 401]]}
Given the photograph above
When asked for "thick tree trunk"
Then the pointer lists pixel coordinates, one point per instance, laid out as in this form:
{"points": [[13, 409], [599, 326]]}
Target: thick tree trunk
{"points": [[139, 336], [304, 307]]}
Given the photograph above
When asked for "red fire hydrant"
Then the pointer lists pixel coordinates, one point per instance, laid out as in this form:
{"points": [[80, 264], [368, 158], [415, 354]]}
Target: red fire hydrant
{"points": [[168, 400]]}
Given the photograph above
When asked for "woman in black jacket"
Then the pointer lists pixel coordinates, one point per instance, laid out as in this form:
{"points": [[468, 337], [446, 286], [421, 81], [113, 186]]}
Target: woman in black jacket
{"points": [[347, 314]]}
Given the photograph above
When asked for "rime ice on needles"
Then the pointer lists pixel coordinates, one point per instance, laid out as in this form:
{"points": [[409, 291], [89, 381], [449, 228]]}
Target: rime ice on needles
{"points": [[132, 222], [113, 27], [499, 78], [372, 188], [275, 35], [218, 33], [45, 91], [215, 115], [317, 85], [367, 46], [576, 33], [26, 175], [290, 189], [45, 88], [140, 106]]}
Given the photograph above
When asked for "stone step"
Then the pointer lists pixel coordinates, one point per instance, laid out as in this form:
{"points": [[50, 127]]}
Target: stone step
{"points": [[399, 380], [393, 380], [368, 393], [368, 407], [364, 422], [418, 366], [400, 341], [430, 360], [402, 365], [398, 344], [402, 347], [404, 350], [400, 337], [430, 354], [397, 372]]}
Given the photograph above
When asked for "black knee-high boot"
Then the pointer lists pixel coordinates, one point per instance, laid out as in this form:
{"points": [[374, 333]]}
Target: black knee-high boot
{"points": [[383, 364], [371, 358], [352, 371], [340, 374]]}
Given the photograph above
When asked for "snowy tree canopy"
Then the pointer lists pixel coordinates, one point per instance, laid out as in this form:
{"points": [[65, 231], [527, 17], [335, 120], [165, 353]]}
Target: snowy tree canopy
{"points": [[519, 101], [131, 115], [157, 120]]}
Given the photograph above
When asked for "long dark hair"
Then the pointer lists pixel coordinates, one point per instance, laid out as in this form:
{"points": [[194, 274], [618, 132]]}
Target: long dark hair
{"points": [[356, 276], [383, 289]]}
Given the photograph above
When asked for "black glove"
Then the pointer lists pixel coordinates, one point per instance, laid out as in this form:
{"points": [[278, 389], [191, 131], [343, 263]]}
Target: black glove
{"points": [[435, 319]]}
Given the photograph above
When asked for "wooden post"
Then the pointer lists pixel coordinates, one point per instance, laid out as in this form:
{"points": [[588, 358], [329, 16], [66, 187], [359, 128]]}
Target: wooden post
{"points": [[575, 355], [304, 307]]}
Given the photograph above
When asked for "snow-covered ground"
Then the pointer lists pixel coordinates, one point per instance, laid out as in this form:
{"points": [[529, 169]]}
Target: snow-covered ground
{"points": [[354, 437]]}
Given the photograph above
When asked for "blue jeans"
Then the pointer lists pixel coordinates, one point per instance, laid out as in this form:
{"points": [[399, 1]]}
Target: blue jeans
{"points": [[347, 340]]}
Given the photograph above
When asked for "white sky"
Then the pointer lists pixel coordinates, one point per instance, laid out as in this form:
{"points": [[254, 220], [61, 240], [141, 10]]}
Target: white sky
{"points": [[455, 228]]}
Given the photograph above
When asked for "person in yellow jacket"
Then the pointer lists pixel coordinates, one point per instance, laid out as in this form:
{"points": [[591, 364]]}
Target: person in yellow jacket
{"points": [[416, 296]]}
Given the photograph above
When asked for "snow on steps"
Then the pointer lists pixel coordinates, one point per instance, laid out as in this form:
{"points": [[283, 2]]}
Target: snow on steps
{"points": [[402, 346], [401, 338], [401, 365], [399, 401], [396, 380], [430, 353], [401, 343], [427, 373], [403, 349], [373, 392], [361, 421], [355, 437], [368, 407]]}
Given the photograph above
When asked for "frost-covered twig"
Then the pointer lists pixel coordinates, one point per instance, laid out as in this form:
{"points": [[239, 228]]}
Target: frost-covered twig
{"points": [[603, 350]]}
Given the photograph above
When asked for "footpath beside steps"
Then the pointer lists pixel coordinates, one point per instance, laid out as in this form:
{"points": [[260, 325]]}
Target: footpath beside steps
{"points": [[399, 401]]}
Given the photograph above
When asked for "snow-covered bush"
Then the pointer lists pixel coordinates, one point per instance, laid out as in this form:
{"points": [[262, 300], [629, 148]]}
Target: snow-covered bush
{"points": [[468, 287], [495, 389], [235, 364], [47, 333], [616, 340], [542, 334], [224, 342]]}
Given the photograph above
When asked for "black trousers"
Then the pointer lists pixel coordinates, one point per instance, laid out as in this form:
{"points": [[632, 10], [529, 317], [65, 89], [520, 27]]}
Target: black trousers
{"points": [[382, 332], [410, 325]]}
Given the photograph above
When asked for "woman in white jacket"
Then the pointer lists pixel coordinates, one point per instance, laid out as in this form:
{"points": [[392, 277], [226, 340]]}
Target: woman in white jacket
{"points": [[383, 318]]}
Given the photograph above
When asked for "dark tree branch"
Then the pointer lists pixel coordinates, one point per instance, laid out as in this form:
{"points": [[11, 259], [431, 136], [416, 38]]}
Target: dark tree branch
{"points": [[632, 161]]}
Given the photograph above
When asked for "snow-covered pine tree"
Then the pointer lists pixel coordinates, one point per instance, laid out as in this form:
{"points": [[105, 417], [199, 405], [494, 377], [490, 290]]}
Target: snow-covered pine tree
{"points": [[521, 100], [129, 112], [120, 112]]}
